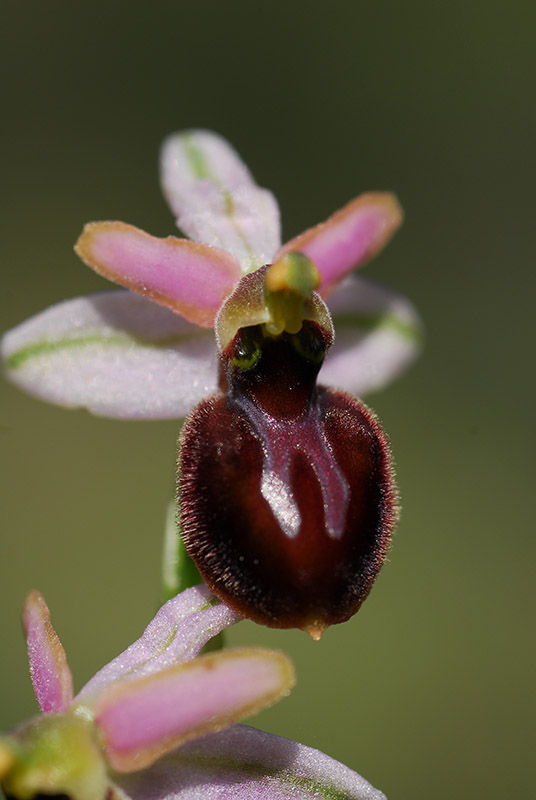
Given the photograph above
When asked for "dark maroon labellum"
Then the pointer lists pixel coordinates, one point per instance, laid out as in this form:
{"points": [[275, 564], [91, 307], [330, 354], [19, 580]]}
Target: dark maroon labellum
{"points": [[287, 499]]}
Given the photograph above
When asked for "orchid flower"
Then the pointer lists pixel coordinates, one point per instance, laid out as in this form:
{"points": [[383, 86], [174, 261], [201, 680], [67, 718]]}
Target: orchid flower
{"points": [[149, 725], [286, 490], [148, 353]]}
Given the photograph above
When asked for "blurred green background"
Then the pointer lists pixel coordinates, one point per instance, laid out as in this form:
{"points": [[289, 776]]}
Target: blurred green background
{"points": [[428, 691]]}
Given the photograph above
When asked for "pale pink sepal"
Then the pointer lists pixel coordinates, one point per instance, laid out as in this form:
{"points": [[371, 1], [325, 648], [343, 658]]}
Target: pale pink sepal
{"points": [[190, 278], [176, 634], [141, 719], [216, 200], [51, 677], [243, 763], [349, 238], [378, 335], [116, 354]]}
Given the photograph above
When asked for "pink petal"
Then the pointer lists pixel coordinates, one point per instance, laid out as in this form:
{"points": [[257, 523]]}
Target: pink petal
{"points": [[349, 238], [116, 354], [243, 763], [51, 677], [176, 634], [216, 200], [191, 279], [140, 720]]}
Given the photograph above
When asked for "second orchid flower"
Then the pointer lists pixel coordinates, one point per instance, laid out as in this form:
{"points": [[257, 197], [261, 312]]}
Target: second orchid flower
{"points": [[149, 725]]}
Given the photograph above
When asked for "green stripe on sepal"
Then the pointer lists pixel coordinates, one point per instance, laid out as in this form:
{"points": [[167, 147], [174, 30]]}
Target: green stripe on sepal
{"points": [[252, 769], [201, 170], [372, 322], [196, 159], [179, 571], [20, 357]]}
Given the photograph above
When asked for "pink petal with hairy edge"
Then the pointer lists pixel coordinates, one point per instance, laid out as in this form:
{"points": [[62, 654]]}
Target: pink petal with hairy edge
{"points": [[115, 353], [216, 200], [379, 334], [51, 677], [351, 236], [176, 634], [140, 720], [243, 763], [192, 279]]}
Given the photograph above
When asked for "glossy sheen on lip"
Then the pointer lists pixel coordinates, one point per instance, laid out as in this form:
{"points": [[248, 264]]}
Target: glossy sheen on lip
{"points": [[286, 492]]}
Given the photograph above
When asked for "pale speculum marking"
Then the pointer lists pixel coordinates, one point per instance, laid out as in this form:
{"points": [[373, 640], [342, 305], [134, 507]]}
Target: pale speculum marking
{"points": [[279, 444]]}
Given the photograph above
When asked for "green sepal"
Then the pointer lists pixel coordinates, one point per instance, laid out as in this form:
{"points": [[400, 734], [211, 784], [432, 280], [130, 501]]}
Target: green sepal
{"points": [[178, 570]]}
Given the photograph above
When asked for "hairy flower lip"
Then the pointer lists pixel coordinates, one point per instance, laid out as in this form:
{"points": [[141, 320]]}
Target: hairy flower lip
{"points": [[302, 481]]}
